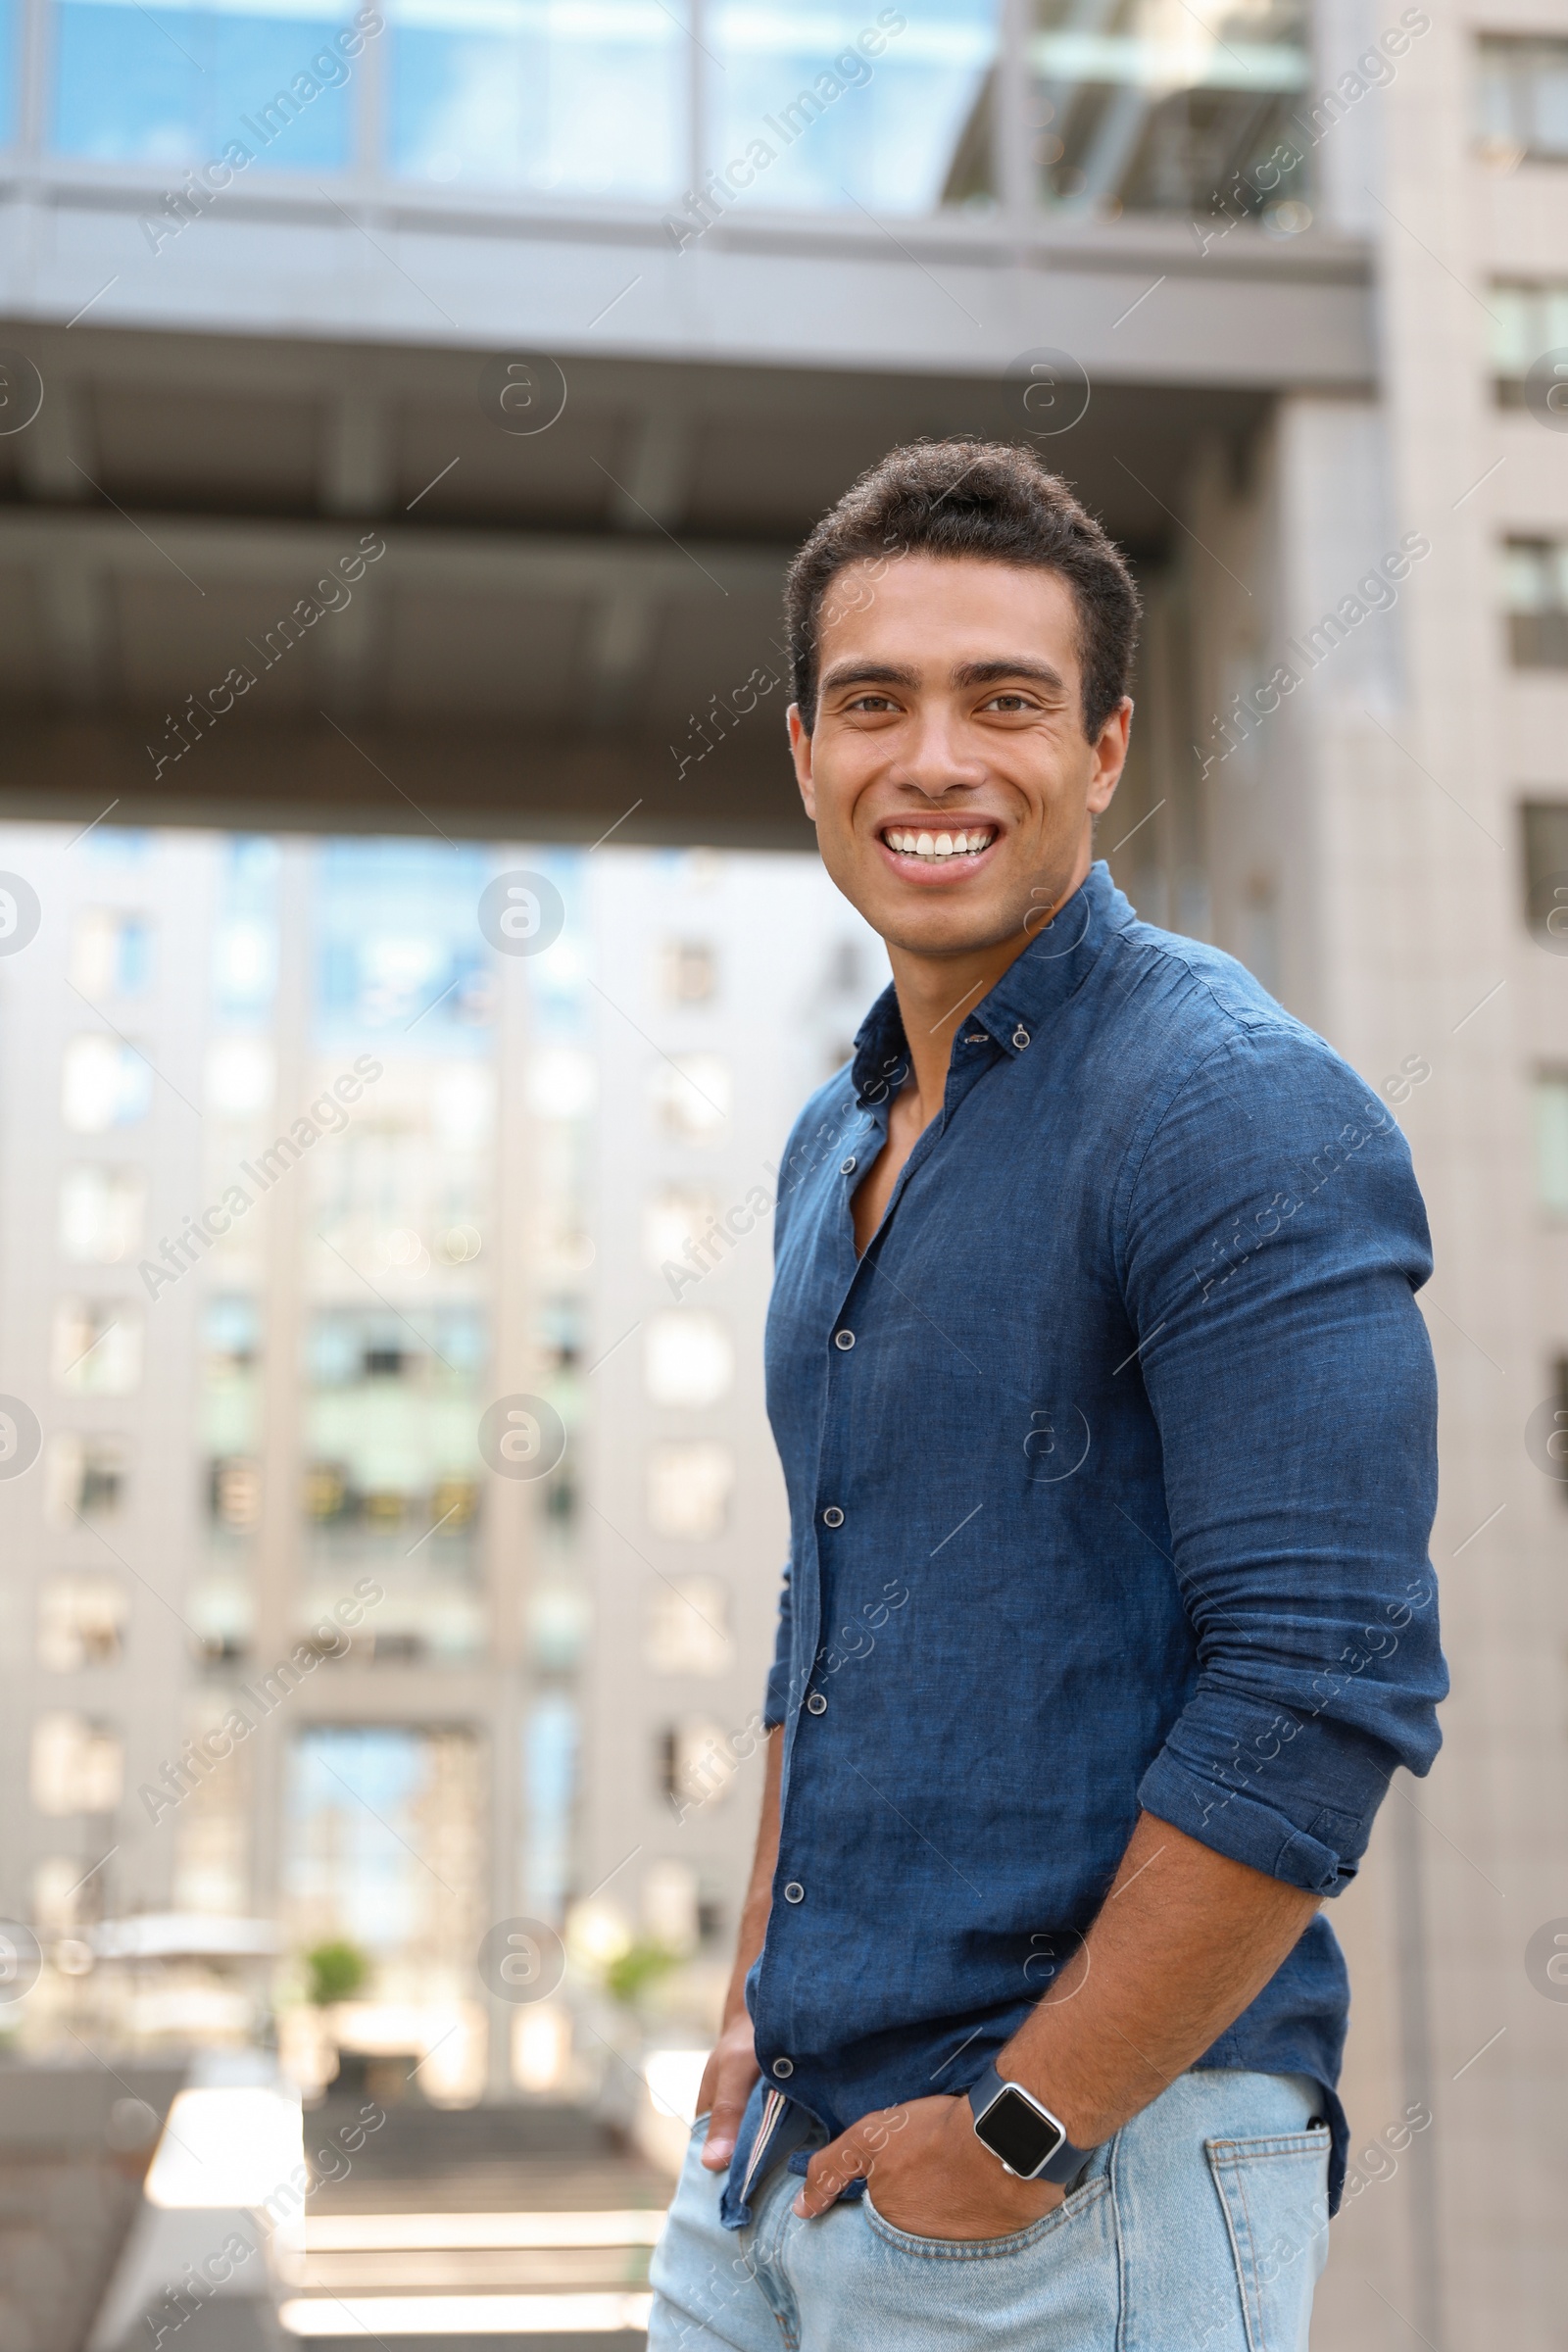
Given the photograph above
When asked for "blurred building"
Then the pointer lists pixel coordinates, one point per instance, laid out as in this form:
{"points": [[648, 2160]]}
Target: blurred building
{"points": [[304, 1175], [406, 416]]}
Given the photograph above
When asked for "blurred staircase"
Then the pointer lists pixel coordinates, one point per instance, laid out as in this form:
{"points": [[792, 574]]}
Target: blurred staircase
{"points": [[530, 2222]]}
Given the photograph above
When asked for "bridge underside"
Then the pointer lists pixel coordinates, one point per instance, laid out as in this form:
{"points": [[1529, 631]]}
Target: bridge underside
{"points": [[312, 585]]}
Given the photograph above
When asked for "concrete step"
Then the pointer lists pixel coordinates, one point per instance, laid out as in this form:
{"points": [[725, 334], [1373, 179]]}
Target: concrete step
{"points": [[452, 2229]]}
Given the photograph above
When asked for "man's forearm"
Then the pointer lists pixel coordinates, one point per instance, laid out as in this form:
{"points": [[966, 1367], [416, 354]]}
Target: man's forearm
{"points": [[760, 1891], [1184, 1941], [731, 2070]]}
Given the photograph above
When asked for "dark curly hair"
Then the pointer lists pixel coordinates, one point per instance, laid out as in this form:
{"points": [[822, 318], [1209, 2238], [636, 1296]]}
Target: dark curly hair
{"points": [[983, 499]]}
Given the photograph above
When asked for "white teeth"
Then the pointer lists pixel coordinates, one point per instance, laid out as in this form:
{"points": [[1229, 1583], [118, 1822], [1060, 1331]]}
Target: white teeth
{"points": [[939, 845]]}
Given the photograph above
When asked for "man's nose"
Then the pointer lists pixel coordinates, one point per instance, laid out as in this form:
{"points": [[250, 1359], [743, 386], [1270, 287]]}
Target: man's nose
{"points": [[935, 763]]}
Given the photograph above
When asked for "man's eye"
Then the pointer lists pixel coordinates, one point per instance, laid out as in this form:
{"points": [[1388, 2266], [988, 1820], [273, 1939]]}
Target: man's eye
{"points": [[1010, 702]]}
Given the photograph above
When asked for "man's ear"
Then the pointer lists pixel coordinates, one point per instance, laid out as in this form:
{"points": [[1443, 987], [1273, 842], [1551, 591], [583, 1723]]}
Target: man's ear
{"points": [[801, 754], [1110, 757]]}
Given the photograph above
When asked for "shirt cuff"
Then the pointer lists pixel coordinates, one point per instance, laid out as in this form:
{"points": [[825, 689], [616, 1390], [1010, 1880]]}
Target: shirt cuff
{"points": [[1232, 1822]]}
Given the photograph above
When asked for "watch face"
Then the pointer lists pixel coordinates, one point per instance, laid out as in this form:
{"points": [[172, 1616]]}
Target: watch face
{"points": [[1019, 2133]]}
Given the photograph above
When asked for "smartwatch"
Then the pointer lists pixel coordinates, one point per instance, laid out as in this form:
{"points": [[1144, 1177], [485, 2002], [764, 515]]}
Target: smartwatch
{"points": [[1021, 2131]]}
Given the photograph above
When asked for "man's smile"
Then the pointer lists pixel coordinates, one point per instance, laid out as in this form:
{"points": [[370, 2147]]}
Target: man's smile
{"points": [[952, 850]]}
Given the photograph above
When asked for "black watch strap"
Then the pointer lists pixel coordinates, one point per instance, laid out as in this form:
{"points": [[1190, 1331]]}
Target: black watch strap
{"points": [[1063, 2164]]}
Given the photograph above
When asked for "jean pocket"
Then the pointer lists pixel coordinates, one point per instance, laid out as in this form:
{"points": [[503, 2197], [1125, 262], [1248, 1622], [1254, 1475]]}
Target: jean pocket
{"points": [[989, 2250], [1274, 2193]]}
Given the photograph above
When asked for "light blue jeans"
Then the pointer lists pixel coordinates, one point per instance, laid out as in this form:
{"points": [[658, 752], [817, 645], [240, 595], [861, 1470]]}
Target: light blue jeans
{"points": [[1200, 2228]]}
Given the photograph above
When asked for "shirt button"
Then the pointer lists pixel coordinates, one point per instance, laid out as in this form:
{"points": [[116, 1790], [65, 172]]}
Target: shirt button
{"points": [[1021, 1037], [793, 1892], [846, 1166], [844, 1339], [817, 1704], [832, 1516], [783, 2068]]}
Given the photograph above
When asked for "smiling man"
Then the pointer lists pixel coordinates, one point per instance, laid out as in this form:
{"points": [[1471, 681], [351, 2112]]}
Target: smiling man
{"points": [[1107, 1414]]}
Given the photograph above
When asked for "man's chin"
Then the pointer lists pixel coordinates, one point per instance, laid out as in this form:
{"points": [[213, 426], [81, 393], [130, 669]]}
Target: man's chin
{"points": [[949, 931]]}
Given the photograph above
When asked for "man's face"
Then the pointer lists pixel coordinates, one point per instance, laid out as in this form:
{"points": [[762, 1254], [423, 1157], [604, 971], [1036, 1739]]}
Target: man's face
{"points": [[948, 774]]}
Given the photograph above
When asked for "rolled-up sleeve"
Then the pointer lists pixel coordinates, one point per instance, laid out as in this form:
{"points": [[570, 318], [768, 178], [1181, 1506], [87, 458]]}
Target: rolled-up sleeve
{"points": [[1272, 1241], [777, 1697]]}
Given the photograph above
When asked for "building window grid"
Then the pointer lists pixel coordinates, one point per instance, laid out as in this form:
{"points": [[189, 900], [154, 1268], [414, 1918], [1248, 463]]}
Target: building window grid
{"points": [[1005, 116]]}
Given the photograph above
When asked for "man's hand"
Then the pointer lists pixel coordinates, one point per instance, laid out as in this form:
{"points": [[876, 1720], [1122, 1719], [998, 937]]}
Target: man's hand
{"points": [[727, 2085], [928, 2174]]}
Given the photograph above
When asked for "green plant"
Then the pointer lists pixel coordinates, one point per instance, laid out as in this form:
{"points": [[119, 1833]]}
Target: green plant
{"points": [[640, 1966], [336, 1972]]}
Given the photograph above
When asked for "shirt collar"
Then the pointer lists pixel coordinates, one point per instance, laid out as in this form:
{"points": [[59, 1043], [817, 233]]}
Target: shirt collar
{"points": [[1031, 989]]}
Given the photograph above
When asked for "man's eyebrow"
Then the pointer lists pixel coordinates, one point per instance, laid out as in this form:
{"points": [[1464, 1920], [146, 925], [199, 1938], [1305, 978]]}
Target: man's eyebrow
{"points": [[867, 673], [986, 673]]}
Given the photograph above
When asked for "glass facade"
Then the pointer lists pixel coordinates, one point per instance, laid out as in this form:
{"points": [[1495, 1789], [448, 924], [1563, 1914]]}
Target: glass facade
{"points": [[264, 88], [559, 97], [832, 106], [698, 108], [1147, 105]]}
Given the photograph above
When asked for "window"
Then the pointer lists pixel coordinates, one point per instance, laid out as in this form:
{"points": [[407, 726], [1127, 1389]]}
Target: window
{"points": [[688, 1488], [825, 107], [1522, 97], [1548, 1449], [111, 952], [1140, 107], [58, 1894], [669, 1906], [85, 1477], [239, 1077], [1528, 320], [1535, 598], [693, 1093], [97, 1346], [77, 1766], [569, 101], [672, 1219], [561, 1083], [234, 1493], [273, 81], [1545, 846], [244, 964], [80, 1621], [688, 1358], [1551, 1106], [101, 1214], [231, 1338], [558, 1625], [688, 971], [697, 1761], [103, 1083], [688, 1629]]}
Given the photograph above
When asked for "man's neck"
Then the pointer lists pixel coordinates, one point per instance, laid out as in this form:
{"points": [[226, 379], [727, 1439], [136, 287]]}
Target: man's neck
{"points": [[937, 993]]}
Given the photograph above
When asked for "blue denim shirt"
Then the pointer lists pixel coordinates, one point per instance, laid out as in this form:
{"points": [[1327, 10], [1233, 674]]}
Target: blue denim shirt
{"points": [[1111, 1467]]}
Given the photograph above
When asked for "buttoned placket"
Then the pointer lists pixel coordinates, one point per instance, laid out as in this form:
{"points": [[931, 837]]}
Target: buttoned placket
{"points": [[860, 1276]]}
